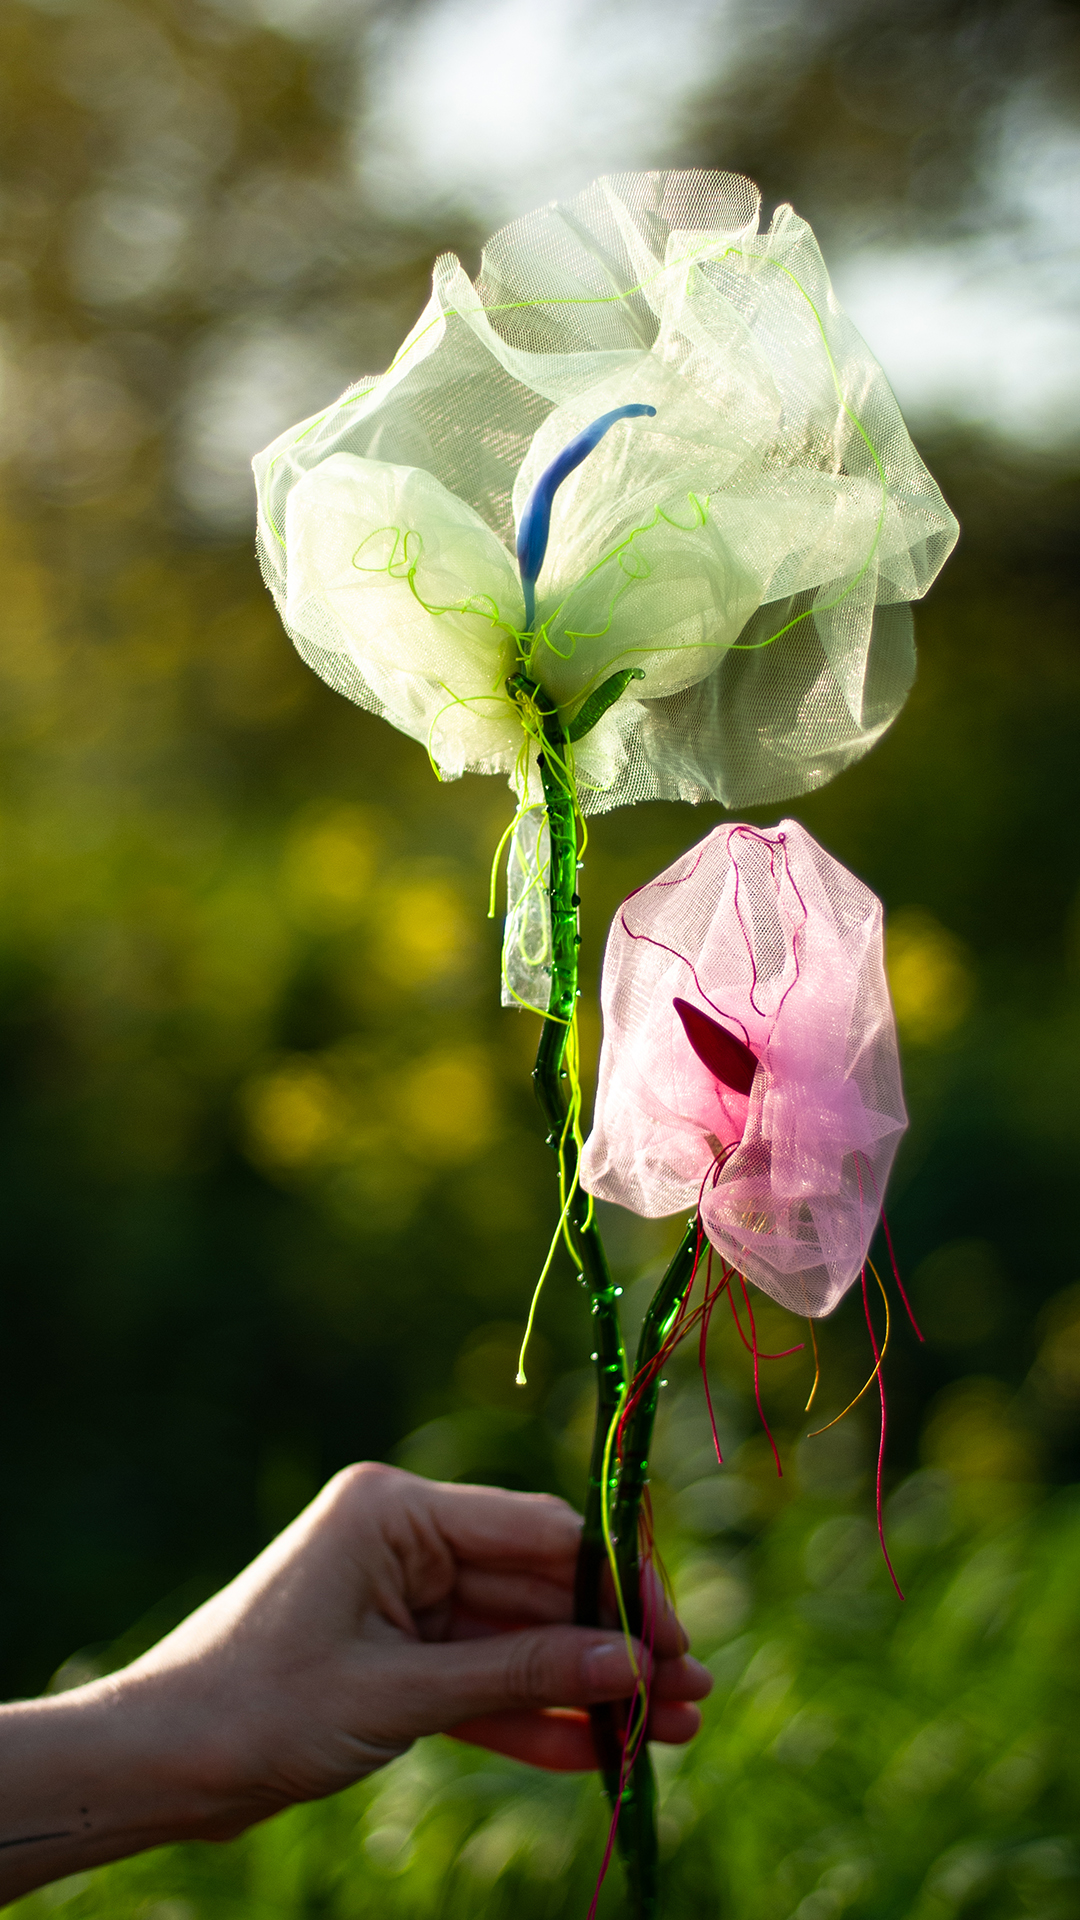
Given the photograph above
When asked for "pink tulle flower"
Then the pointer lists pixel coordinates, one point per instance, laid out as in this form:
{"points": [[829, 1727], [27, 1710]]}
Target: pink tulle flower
{"points": [[749, 1064]]}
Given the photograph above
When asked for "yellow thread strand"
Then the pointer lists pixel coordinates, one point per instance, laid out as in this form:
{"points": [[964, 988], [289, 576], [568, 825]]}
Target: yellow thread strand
{"points": [[571, 1128], [615, 554], [520, 1377], [493, 887], [817, 1363], [561, 761], [876, 1371], [561, 1233], [572, 1125], [609, 1543], [455, 700]]}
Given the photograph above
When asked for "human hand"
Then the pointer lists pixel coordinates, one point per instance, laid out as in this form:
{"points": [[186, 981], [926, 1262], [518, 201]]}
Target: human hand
{"points": [[395, 1607], [392, 1607]]}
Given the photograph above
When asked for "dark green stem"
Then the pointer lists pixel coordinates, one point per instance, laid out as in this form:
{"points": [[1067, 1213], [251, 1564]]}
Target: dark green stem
{"points": [[637, 1834], [637, 1432], [639, 1793], [552, 1083]]}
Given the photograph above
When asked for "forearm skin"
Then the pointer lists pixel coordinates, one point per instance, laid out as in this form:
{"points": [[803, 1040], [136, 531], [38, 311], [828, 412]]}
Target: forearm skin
{"points": [[94, 1775]]}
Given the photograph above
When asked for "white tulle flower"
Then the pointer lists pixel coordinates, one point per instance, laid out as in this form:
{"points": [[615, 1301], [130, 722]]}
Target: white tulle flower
{"points": [[744, 532]]}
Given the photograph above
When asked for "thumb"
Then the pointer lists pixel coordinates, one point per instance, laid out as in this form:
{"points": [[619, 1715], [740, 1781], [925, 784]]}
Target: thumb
{"points": [[437, 1686]]}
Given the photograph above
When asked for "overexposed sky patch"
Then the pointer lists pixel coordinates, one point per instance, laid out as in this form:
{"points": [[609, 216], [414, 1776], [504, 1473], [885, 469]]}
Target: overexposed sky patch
{"points": [[493, 107], [966, 338], [485, 109], [489, 108], [248, 383]]}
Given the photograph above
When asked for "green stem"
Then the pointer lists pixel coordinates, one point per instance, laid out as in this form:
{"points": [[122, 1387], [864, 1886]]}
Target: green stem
{"points": [[637, 1433], [637, 1833], [639, 1794], [551, 1080]]}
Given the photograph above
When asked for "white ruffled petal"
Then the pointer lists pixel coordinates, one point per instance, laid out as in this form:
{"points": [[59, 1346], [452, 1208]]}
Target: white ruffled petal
{"points": [[402, 581], [775, 636]]}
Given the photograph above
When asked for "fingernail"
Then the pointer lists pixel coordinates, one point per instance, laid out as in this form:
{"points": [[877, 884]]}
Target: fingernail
{"points": [[607, 1670], [696, 1670]]}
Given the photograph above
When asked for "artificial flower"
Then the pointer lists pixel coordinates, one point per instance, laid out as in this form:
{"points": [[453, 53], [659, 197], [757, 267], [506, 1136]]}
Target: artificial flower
{"points": [[743, 530], [749, 1065]]}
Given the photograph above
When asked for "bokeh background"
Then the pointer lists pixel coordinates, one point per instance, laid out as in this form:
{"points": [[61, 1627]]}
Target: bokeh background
{"points": [[274, 1188]]}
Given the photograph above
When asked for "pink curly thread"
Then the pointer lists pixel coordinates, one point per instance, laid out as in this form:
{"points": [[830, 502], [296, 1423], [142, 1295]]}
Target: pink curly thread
{"points": [[712, 1178], [626, 1763], [680, 1328], [676, 955], [735, 831], [684, 1324], [645, 1375], [679, 880], [712, 1174], [784, 1353], [779, 843], [609, 1848], [647, 1529], [919, 1334]]}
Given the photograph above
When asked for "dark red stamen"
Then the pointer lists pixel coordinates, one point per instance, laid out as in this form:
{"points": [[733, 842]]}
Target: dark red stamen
{"points": [[730, 1060], [757, 1375], [889, 1243]]}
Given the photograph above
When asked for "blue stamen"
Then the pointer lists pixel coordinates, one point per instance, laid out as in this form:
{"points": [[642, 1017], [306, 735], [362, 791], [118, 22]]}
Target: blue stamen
{"points": [[535, 525]]}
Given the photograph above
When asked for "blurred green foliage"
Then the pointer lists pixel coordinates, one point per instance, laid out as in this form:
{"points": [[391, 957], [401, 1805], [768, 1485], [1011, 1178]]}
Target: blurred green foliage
{"points": [[275, 1190], [856, 1760]]}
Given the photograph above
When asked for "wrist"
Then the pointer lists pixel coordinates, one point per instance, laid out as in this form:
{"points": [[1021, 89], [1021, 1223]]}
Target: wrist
{"points": [[104, 1771]]}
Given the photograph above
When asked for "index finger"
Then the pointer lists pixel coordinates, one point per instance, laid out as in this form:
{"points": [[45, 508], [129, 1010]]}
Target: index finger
{"points": [[507, 1540], [502, 1534], [491, 1528]]}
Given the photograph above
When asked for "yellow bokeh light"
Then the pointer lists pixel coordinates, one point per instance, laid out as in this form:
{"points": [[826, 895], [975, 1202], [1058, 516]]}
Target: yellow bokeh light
{"points": [[445, 1105], [424, 932], [975, 1434], [931, 976], [292, 1115], [329, 861]]}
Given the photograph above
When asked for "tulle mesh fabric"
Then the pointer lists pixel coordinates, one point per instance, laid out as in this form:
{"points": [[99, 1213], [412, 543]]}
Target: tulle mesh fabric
{"points": [[526, 953], [754, 548], [773, 939]]}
